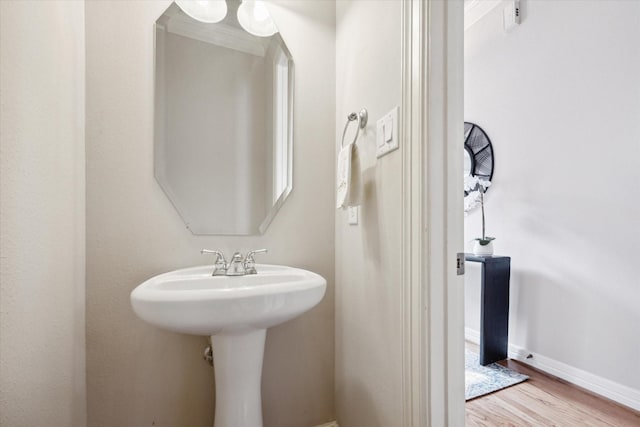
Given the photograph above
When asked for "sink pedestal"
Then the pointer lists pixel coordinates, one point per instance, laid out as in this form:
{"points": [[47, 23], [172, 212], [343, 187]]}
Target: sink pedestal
{"points": [[237, 361], [236, 312]]}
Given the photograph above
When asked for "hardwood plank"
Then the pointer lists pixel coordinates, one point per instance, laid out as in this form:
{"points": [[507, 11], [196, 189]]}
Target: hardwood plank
{"points": [[495, 411], [545, 400]]}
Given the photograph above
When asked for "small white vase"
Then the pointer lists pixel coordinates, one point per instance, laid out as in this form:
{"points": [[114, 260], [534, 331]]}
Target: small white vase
{"points": [[483, 250]]}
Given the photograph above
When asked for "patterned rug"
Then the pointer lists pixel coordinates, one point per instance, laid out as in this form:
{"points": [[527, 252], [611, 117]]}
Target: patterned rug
{"points": [[481, 380]]}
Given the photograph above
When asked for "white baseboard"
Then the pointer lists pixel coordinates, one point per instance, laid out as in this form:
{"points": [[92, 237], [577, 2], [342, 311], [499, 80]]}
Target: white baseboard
{"points": [[617, 392], [331, 424], [472, 335]]}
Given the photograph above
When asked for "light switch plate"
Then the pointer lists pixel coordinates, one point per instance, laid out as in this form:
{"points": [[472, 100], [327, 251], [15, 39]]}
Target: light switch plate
{"points": [[352, 215], [387, 133]]}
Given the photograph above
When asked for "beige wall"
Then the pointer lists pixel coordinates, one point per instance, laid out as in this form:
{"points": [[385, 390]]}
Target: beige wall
{"points": [[42, 356], [139, 374], [368, 275]]}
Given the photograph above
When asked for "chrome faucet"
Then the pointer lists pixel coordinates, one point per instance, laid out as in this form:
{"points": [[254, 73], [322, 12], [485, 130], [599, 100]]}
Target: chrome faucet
{"points": [[237, 266], [220, 265]]}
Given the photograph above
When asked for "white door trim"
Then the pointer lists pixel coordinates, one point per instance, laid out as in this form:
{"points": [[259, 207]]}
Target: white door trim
{"points": [[432, 231]]}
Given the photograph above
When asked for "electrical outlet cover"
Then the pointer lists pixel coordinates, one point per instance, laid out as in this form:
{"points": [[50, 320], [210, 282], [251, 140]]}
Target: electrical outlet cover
{"points": [[352, 215]]}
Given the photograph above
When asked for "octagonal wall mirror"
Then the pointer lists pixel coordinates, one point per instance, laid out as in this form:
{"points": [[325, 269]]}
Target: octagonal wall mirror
{"points": [[223, 122]]}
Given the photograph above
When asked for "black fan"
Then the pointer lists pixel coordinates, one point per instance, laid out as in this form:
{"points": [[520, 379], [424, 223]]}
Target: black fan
{"points": [[479, 152]]}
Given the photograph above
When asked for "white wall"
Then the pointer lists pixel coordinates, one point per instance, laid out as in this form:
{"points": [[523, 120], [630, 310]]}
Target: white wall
{"points": [[368, 264], [560, 100], [138, 374], [42, 357]]}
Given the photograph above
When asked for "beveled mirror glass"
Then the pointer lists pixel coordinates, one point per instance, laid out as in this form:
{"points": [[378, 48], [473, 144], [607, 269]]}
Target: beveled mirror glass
{"points": [[223, 122]]}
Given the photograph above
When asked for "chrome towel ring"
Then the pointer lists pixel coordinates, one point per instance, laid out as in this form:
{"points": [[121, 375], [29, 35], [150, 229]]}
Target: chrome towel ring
{"points": [[362, 118]]}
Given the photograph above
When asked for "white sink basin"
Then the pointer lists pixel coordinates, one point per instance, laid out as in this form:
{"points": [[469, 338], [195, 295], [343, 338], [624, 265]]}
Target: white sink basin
{"points": [[194, 302], [235, 311]]}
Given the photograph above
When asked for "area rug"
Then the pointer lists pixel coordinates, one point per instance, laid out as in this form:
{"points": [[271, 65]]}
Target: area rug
{"points": [[481, 380]]}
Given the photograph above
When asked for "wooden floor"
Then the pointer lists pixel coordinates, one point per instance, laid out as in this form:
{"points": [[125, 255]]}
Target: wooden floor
{"points": [[544, 400]]}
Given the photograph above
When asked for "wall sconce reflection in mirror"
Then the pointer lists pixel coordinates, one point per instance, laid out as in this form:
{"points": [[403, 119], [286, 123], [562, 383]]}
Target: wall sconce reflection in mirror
{"points": [[255, 18], [253, 15], [208, 11]]}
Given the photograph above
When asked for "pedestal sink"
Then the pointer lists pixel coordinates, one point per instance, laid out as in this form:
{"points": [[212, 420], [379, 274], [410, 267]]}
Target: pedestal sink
{"points": [[235, 312]]}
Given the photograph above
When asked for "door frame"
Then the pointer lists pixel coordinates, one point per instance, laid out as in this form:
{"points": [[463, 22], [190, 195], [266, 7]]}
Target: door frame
{"points": [[432, 230]]}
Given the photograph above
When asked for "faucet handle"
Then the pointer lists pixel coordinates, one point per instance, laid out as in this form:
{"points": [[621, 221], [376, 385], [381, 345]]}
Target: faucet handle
{"points": [[249, 261], [220, 265], [219, 255]]}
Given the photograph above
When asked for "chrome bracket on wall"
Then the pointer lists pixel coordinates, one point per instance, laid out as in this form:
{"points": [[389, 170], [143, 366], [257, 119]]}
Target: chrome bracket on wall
{"points": [[208, 355], [362, 117], [460, 263]]}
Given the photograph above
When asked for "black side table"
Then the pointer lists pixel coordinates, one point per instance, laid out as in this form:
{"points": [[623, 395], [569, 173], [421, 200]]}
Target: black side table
{"points": [[494, 311]]}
